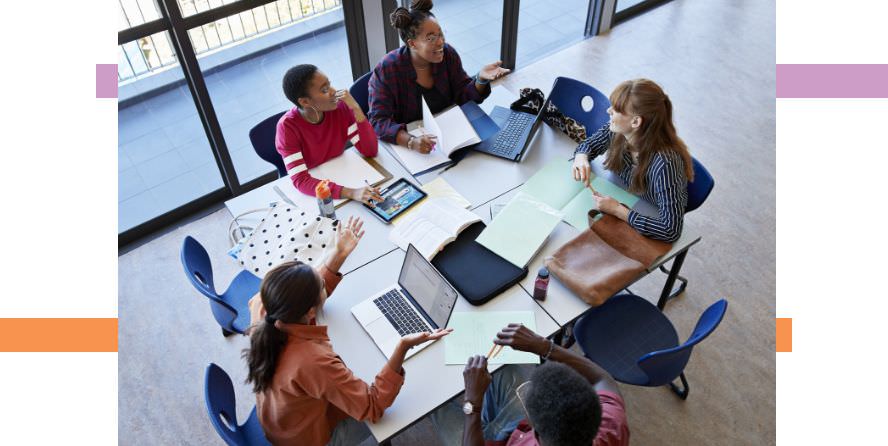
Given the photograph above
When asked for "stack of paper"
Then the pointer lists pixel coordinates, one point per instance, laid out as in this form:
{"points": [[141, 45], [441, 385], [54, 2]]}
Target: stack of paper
{"points": [[437, 188], [431, 228], [474, 332], [520, 228]]}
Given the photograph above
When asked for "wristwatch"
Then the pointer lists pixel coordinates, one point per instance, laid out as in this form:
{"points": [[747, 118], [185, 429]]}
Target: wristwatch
{"points": [[469, 408]]}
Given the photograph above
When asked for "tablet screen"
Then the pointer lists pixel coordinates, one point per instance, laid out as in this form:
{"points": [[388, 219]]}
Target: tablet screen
{"points": [[398, 197]]}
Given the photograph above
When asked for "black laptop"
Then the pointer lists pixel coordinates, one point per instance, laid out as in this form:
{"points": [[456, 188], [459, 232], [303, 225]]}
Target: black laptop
{"points": [[516, 131]]}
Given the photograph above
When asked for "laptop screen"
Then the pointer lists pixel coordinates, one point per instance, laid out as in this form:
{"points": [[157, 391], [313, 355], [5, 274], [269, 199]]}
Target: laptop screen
{"points": [[427, 287]]}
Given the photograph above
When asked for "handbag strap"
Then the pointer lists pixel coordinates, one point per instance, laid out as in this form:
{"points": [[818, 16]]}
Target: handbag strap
{"points": [[234, 227]]}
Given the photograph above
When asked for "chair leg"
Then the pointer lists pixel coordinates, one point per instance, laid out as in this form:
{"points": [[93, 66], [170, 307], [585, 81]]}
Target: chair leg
{"points": [[682, 393], [227, 333]]}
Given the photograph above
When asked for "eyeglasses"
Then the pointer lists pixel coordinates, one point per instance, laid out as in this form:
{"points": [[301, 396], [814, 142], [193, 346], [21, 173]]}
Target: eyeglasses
{"points": [[432, 38]]}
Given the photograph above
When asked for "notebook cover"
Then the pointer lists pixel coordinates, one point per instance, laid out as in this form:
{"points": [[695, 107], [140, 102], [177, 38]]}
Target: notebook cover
{"points": [[476, 272]]}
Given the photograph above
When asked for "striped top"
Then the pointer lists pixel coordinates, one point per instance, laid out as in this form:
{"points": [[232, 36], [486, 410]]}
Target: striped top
{"points": [[304, 145], [667, 187]]}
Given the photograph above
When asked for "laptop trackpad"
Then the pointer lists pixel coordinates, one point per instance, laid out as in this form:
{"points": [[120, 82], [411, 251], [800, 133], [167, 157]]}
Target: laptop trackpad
{"points": [[385, 335]]}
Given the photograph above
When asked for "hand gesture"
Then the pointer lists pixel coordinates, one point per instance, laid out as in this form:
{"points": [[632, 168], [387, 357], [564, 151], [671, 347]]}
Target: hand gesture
{"points": [[349, 236], [493, 71], [414, 339], [345, 96], [581, 169], [522, 339], [606, 204], [422, 144], [477, 379]]}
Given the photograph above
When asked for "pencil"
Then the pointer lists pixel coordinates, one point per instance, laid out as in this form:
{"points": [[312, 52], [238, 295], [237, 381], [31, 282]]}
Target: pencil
{"points": [[495, 350]]}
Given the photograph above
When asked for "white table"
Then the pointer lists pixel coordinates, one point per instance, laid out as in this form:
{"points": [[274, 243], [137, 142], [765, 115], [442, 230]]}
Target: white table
{"points": [[375, 242], [429, 383]]}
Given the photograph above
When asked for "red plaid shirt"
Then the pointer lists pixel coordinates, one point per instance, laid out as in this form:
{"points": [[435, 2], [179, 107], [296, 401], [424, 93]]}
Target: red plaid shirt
{"points": [[394, 95]]}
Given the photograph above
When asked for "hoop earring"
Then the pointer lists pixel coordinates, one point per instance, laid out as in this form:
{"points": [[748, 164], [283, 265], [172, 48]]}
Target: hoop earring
{"points": [[317, 118]]}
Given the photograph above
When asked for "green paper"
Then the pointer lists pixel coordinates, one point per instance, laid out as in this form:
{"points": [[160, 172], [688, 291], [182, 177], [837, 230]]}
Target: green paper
{"points": [[473, 334], [605, 187], [553, 184], [519, 230], [576, 213]]}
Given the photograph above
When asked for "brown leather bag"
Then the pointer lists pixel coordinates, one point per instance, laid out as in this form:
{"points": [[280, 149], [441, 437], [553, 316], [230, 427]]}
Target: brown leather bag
{"points": [[604, 259]]}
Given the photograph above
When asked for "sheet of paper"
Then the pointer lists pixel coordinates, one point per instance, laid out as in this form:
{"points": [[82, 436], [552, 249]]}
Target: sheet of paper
{"points": [[473, 334], [456, 130], [605, 187], [349, 170], [429, 124], [519, 230], [440, 188], [553, 184], [576, 213], [304, 202], [416, 162]]}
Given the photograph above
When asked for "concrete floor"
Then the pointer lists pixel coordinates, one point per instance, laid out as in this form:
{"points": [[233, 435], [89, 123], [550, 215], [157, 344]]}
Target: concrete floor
{"points": [[716, 62]]}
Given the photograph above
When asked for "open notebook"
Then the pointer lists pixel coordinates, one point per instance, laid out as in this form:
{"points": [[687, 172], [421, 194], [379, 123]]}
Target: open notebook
{"points": [[453, 130], [350, 169], [554, 185], [437, 223]]}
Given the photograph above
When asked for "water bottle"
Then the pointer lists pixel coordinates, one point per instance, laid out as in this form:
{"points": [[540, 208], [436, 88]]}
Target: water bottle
{"points": [[541, 285], [325, 200]]}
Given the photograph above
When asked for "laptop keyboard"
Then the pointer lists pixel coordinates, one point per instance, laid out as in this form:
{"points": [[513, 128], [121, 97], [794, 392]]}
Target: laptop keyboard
{"points": [[402, 316], [507, 140]]}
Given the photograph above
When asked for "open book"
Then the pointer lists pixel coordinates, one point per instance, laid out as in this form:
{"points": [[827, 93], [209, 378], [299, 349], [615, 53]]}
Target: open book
{"points": [[437, 223], [554, 185], [453, 130]]}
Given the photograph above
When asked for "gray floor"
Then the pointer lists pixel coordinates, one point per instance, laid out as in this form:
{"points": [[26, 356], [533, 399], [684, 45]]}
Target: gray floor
{"points": [[716, 61], [164, 160]]}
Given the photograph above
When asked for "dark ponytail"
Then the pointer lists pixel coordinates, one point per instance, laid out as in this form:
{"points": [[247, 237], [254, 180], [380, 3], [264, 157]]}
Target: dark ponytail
{"points": [[407, 22], [288, 292]]}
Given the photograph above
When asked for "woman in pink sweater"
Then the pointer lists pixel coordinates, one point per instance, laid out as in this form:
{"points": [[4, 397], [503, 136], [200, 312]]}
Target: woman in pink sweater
{"points": [[317, 129]]}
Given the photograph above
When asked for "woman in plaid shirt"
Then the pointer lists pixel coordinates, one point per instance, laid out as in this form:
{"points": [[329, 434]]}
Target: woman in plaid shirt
{"points": [[425, 67]]}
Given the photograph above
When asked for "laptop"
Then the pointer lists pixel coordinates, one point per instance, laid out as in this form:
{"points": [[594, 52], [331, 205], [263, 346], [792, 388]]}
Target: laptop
{"points": [[422, 300], [516, 131]]}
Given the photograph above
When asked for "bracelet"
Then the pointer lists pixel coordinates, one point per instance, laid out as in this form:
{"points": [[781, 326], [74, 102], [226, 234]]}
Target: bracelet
{"points": [[549, 353], [479, 80]]}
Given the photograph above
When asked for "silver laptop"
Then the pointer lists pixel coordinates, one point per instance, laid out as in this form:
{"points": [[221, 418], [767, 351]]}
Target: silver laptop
{"points": [[421, 301]]}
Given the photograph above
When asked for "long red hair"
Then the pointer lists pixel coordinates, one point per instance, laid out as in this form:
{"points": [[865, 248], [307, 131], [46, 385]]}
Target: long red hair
{"points": [[644, 98]]}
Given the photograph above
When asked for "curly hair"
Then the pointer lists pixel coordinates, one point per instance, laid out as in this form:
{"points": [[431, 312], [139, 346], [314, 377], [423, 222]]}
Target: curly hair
{"points": [[562, 406], [407, 22], [296, 82]]}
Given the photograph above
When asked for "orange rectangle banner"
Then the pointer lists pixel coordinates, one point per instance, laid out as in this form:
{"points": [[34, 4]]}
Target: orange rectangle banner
{"points": [[784, 334], [58, 335]]}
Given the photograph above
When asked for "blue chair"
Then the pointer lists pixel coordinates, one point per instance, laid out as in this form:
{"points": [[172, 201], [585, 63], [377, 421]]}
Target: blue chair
{"points": [[262, 138], [360, 90], [229, 308], [219, 396], [635, 342], [567, 94], [698, 191]]}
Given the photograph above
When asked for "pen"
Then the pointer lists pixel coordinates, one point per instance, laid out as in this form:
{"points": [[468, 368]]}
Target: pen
{"points": [[495, 350]]}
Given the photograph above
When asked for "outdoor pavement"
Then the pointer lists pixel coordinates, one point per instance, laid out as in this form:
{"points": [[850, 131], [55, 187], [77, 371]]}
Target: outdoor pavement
{"points": [[164, 159]]}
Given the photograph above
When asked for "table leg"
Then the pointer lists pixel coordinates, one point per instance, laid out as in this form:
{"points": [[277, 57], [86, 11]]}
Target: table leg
{"points": [[670, 280]]}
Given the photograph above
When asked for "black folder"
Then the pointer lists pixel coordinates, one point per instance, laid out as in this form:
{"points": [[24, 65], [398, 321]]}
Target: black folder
{"points": [[475, 271]]}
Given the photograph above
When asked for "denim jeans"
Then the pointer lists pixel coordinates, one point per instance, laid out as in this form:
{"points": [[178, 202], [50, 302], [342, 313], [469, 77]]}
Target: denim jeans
{"points": [[500, 415], [350, 432]]}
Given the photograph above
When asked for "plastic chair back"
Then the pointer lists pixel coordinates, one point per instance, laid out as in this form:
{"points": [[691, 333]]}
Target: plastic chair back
{"points": [[568, 94], [262, 138], [199, 271], [219, 397], [699, 189], [360, 90], [662, 367]]}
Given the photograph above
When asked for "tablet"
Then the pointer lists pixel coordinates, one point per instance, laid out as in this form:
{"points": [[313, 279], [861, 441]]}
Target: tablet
{"points": [[399, 196]]}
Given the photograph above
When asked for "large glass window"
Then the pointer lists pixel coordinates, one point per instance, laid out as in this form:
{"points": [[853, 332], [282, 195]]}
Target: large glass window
{"points": [[473, 28], [244, 57], [545, 27], [164, 159]]}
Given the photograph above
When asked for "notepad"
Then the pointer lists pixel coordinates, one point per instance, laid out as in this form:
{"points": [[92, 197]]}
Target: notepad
{"points": [[555, 186], [437, 223], [520, 228], [349, 170], [437, 188], [453, 130], [474, 332]]}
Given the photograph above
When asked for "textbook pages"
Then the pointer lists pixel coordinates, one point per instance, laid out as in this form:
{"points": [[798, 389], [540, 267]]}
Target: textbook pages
{"points": [[437, 223], [453, 131]]}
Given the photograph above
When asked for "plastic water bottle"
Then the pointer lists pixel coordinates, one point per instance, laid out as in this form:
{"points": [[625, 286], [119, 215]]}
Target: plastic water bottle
{"points": [[541, 285], [325, 200]]}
